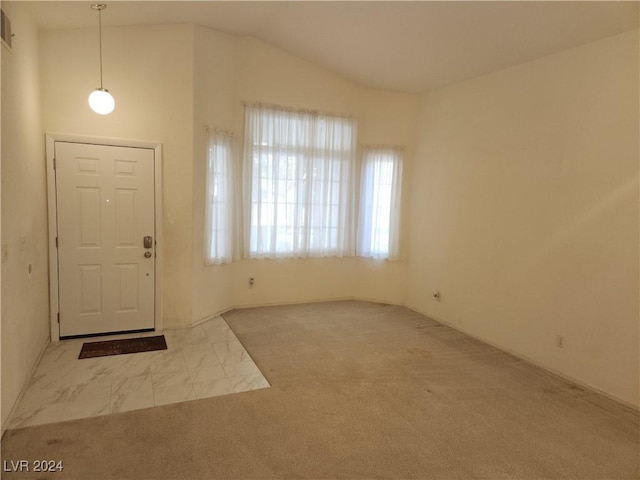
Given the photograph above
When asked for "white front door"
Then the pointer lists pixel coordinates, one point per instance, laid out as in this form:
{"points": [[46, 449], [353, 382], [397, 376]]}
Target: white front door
{"points": [[105, 209]]}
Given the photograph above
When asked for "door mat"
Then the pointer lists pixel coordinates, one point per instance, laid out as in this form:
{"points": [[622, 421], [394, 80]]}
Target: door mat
{"points": [[121, 347]]}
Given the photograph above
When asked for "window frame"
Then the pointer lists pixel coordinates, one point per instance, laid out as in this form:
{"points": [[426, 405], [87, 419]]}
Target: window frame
{"points": [[311, 170], [219, 174], [380, 241]]}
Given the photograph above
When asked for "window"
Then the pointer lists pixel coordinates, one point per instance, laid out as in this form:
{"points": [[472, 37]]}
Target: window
{"points": [[380, 199], [300, 169], [219, 200]]}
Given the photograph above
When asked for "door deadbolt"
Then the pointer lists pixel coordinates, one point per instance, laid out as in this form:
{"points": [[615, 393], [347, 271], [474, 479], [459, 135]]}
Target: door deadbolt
{"points": [[147, 241], [147, 254]]}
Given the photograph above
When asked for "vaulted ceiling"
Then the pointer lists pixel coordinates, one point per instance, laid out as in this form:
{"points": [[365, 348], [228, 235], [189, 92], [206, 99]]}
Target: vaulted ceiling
{"points": [[402, 46]]}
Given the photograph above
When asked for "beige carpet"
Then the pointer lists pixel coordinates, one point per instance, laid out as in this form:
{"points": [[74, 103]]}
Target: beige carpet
{"points": [[359, 390]]}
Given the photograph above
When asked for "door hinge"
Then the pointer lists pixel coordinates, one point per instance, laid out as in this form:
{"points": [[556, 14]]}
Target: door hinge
{"points": [[56, 242], [58, 317], [54, 163]]}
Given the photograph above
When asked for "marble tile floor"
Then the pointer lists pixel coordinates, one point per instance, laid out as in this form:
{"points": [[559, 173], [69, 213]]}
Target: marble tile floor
{"points": [[201, 361]]}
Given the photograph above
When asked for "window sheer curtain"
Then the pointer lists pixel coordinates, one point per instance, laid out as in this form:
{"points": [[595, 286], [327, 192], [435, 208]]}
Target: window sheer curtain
{"points": [[300, 170], [380, 202], [219, 206]]}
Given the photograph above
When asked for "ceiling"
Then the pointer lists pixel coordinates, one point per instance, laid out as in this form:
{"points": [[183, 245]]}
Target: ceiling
{"points": [[403, 46]]}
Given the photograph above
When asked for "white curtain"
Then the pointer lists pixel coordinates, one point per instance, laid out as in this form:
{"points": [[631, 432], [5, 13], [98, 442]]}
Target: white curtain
{"points": [[299, 173], [380, 201], [219, 207]]}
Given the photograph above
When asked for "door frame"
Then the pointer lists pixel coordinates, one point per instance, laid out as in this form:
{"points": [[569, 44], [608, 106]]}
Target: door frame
{"points": [[51, 139]]}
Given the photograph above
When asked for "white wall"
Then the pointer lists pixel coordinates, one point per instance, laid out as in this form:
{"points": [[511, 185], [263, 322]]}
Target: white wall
{"points": [[524, 211], [25, 305], [231, 70], [215, 107], [171, 81], [388, 118], [523, 187], [149, 71], [269, 75]]}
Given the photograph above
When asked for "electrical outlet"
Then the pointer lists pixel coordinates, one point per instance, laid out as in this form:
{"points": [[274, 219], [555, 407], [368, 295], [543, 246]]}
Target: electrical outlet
{"points": [[560, 341], [252, 281]]}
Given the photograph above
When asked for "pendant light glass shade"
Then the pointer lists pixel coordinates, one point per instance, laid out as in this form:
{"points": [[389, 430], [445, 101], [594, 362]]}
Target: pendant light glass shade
{"points": [[101, 101]]}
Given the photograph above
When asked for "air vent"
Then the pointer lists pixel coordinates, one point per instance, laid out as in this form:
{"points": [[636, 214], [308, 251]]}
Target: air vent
{"points": [[5, 30]]}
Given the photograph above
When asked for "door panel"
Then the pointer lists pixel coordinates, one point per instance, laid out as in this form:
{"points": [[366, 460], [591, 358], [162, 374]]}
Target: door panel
{"points": [[128, 282], [91, 285], [105, 206], [125, 217], [89, 219]]}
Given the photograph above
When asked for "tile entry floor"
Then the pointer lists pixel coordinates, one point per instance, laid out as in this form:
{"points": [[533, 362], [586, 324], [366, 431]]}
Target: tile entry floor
{"points": [[202, 361]]}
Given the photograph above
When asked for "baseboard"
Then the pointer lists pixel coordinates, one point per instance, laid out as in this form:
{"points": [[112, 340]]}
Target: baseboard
{"points": [[208, 317], [530, 361], [516, 354], [220, 313], [276, 304], [16, 404], [297, 302]]}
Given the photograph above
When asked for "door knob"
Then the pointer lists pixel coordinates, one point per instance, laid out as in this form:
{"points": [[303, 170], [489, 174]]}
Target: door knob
{"points": [[147, 254]]}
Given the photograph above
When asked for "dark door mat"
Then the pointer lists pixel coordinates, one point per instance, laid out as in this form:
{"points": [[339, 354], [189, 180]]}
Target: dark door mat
{"points": [[120, 347]]}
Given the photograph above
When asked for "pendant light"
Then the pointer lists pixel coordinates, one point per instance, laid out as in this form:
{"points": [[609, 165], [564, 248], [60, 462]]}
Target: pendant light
{"points": [[100, 99]]}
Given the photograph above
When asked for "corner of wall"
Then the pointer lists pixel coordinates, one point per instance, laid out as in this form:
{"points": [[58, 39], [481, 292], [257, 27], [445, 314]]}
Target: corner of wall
{"points": [[25, 302], [524, 211]]}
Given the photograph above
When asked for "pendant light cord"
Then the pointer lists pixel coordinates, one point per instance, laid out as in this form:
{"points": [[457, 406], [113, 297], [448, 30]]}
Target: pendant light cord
{"points": [[100, 100], [100, 33]]}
